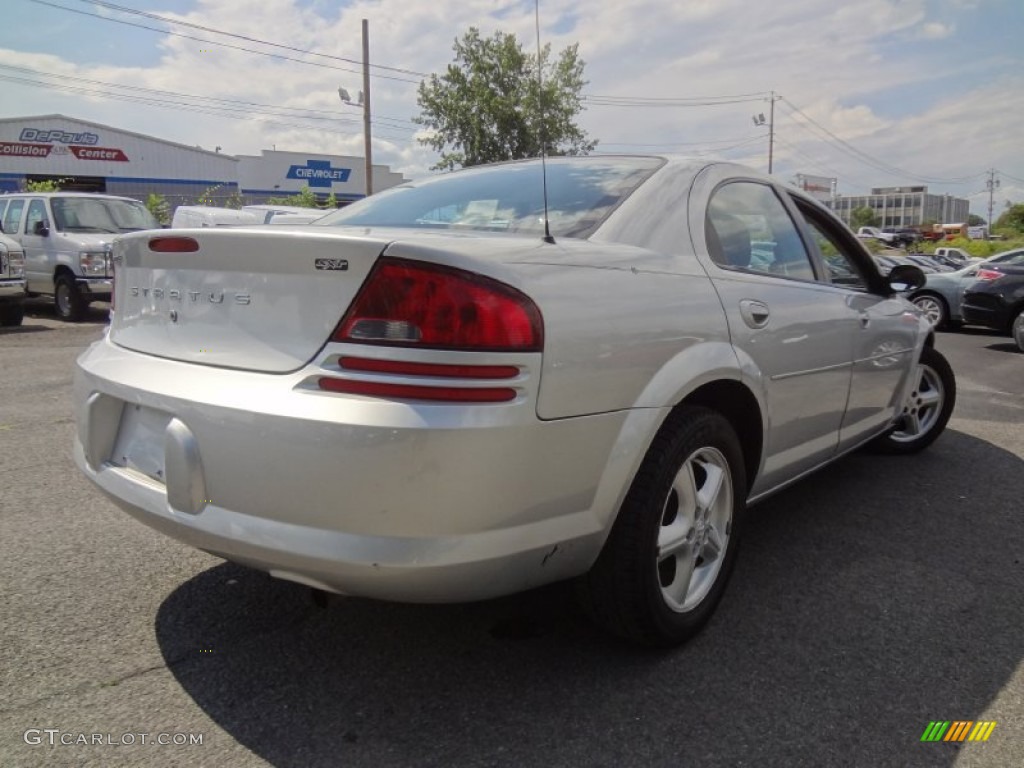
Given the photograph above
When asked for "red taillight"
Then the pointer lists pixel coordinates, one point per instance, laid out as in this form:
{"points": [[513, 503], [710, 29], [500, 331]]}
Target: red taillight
{"points": [[440, 370], [988, 274], [173, 244], [418, 392], [416, 304]]}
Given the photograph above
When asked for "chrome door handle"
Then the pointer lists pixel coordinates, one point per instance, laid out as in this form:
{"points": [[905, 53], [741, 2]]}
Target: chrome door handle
{"points": [[755, 313], [865, 319]]}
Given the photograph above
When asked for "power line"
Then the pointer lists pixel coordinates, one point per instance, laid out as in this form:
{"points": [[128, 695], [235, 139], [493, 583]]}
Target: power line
{"points": [[237, 113], [677, 143], [200, 27], [625, 101], [174, 97], [818, 164], [222, 45], [305, 112], [864, 157]]}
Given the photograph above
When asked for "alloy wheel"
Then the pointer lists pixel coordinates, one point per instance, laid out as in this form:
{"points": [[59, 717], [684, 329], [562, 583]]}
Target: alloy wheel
{"points": [[932, 309], [923, 407], [695, 527]]}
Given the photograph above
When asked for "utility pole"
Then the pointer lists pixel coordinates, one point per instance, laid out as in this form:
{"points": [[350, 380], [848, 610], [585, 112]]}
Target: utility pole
{"points": [[366, 107], [991, 185], [770, 122]]}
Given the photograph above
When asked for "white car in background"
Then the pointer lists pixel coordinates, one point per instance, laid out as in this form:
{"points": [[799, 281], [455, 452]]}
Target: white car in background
{"points": [[284, 214], [186, 216], [428, 396]]}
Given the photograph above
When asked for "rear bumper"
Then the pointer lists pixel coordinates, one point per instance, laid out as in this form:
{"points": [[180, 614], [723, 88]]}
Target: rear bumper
{"points": [[397, 501]]}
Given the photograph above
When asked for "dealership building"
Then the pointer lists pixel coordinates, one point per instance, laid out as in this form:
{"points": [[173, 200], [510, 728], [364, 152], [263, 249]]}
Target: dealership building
{"points": [[893, 207], [905, 206], [91, 157]]}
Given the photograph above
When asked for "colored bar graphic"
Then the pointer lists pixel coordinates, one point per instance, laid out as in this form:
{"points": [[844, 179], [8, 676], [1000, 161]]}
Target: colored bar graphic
{"points": [[958, 730], [935, 731], [982, 731]]}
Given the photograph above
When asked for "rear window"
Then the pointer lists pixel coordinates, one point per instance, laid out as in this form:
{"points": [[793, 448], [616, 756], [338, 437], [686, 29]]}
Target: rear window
{"points": [[507, 198]]}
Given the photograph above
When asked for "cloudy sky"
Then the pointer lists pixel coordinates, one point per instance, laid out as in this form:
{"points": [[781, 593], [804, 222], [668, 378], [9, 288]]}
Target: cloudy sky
{"points": [[873, 92]]}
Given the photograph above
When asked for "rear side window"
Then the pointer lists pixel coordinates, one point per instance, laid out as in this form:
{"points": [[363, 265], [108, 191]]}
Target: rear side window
{"points": [[12, 216], [749, 229], [581, 191]]}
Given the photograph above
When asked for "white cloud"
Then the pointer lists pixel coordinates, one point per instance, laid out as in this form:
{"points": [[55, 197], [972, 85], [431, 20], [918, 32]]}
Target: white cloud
{"points": [[936, 30], [862, 71]]}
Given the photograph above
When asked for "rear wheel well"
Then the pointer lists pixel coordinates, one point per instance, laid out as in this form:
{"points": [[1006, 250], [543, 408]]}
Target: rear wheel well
{"points": [[739, 406]]}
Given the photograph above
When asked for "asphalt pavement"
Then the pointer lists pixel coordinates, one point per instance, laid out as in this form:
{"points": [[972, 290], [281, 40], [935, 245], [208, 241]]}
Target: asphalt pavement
{"points": [[877, 596]]}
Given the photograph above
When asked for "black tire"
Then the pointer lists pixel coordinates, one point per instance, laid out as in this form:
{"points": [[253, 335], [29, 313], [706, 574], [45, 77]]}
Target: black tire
{"points": [[632, 590], [11, 314], [68, 300], [927, 410], [934, 308], [1017, 330]]}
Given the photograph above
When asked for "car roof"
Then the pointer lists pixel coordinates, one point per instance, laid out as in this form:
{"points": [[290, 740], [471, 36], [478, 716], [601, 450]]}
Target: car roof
{"points": [[66, 194]]}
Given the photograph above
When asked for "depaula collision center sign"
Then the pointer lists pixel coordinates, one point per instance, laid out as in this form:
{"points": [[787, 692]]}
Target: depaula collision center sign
{"points": [[318, 173], [39, 143]]}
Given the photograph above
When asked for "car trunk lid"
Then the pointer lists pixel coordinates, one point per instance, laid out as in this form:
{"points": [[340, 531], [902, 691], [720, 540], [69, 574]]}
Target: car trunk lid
{"points": [[253, 299]]}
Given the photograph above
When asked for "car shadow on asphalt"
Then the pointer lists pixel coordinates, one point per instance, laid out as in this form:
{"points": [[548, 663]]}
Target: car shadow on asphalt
{"points": [[1006, 347], [21, 329], [878, 595]]}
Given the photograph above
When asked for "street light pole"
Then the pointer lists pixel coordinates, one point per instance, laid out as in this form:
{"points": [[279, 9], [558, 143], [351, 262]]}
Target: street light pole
{"points": [[366, 108]]}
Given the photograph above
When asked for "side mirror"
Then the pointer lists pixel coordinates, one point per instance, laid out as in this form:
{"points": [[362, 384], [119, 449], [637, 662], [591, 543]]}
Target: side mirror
{"points": [[905, 277], [41, 229]]}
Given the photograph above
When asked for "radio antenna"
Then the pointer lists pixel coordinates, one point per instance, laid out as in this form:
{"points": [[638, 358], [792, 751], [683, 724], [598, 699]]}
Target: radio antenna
{"points": [[540, 108]]}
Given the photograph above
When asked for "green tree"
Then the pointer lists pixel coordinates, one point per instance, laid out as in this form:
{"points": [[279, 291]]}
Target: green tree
{"points": [[863, 217], [216, 197], [158, 206], [50, 185], [974, 220], [488, 105], [1011, 220], [306, 198]]}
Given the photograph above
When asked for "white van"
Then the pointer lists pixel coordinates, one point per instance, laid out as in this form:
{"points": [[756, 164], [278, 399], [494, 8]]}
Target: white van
{"points": [[311, 214], [193, 216], [12, 281], [66, 239], [268, 212]]}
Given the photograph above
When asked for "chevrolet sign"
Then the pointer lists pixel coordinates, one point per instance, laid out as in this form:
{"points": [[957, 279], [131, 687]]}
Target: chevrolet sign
{"points": [[318, 173]]}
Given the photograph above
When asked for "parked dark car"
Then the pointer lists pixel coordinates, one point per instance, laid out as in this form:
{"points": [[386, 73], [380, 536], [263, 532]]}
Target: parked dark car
{"points": [[998, 303]]}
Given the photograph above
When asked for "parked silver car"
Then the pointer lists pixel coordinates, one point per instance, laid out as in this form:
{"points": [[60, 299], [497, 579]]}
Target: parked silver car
{"points": [[451, 390], [942, 294]]}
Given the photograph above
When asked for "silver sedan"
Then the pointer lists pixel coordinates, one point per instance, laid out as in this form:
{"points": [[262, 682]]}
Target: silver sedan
{"points": [[462, 387], [940, 297]]}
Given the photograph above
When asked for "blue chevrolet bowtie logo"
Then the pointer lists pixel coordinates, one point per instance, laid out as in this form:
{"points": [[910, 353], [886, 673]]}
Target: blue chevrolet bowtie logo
{"points": [[318, 173]]}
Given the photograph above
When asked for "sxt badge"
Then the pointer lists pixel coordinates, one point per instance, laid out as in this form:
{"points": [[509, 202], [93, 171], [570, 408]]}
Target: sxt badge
{"points": [[339, 265]]}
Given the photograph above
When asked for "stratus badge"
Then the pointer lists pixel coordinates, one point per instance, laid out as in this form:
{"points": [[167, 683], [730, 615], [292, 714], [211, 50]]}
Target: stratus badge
{"points": [[338, 265]]}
